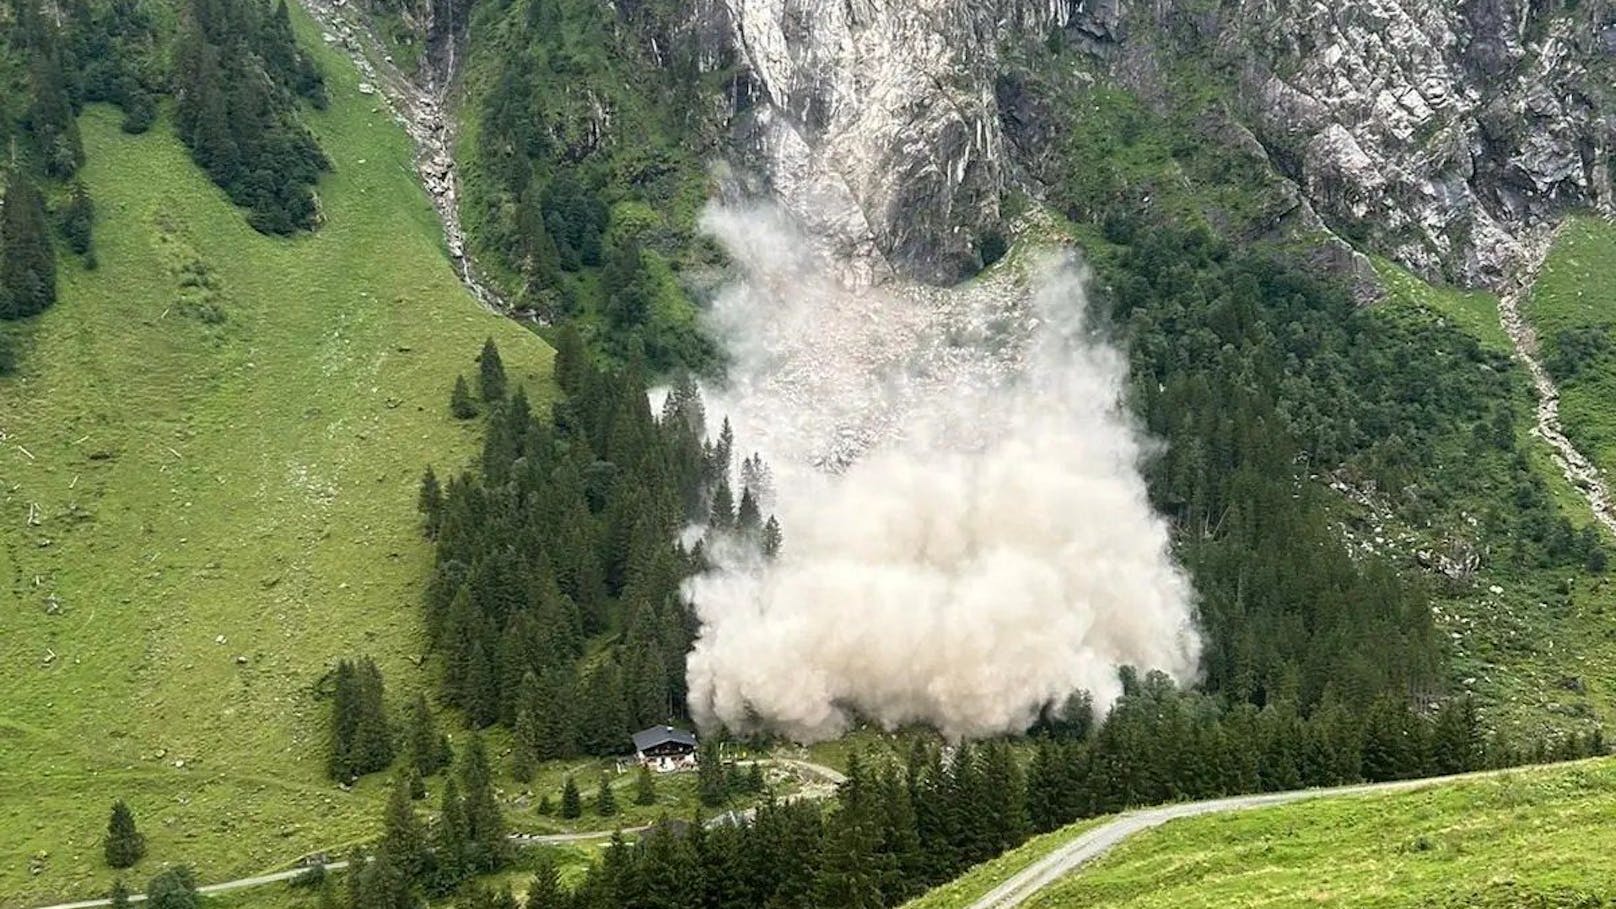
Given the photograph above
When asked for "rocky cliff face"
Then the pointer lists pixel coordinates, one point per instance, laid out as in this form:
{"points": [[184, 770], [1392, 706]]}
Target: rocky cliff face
{"points": [[1438, 132], [1442, 131], [874, 122]]}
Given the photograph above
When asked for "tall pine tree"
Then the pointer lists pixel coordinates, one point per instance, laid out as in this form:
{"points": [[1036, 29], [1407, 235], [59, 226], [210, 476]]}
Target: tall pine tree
{"points": [[124, 844], [491, 372], [27, 263]]}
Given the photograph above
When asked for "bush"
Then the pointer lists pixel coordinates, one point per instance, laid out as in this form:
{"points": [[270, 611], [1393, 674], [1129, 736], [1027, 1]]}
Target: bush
{"points": [[139, 112], [309, 878], [173, 889]]}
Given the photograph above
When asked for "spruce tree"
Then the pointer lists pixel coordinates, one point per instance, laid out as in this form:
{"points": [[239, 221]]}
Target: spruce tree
{"points": [[381, 884], [361, 737], [748, 520], [1005, 790], [605, 800], [644, 787], [428, 751], [449, 842], [486, 845], [403, 839], [124, 844], [345, 709], [460, 403], [1457, 740], [27, 264], [524, 751], [627, 286], [571, 800], [50, 116], [76, 219], [771, 537], [119, 897], [851, 868], [491, 372], [545, 891], [722, 514], [899, 839], [572, 366], [710, 783], [373, 736], [480, 689], [430, 502]]}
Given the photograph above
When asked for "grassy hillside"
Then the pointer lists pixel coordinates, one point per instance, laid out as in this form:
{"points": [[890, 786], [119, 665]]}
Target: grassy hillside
{"points": [[1537, 652], [1528, 838], [219, 435], [1573, 308]]}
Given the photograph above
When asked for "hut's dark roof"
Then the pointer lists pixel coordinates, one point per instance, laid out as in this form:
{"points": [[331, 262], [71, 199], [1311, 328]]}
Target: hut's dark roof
{"points": [[660, 735]]}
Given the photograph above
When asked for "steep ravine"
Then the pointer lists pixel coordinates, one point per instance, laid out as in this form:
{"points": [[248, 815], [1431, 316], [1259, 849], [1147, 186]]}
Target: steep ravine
{"points": [[419, 107], [1578, 469]]}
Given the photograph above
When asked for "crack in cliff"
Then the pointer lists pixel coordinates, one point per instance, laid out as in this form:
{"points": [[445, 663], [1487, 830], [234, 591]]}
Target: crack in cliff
{"points": [[1577, 468], [420, 108]]}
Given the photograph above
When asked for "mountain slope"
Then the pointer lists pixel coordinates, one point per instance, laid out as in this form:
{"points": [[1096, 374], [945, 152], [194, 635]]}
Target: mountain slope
{"points": [[191, 480]]}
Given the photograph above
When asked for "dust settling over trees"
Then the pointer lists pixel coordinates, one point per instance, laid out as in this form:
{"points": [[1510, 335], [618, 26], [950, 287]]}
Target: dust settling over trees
{"points": [[1255, 377], [567, 534]]}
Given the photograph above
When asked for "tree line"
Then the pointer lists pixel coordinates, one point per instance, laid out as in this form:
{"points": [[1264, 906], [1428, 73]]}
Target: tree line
{"points": [[85, 54], [566, 537], [238, 77], [584, 182], [902, 825]]}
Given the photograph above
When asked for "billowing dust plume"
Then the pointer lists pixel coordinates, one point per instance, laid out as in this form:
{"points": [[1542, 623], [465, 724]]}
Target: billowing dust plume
{"points": [[967, 536]]}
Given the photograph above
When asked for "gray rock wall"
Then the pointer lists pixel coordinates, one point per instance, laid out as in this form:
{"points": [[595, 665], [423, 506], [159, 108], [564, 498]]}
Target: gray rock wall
{"points": [[1440, 130]]}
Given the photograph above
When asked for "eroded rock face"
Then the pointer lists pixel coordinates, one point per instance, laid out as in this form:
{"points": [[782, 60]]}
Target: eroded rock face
{"points": [[1441, 129], [1438, 129], [874, 122]]}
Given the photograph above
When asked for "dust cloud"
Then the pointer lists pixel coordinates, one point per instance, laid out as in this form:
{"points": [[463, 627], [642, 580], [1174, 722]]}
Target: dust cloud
{"points": [[967, 535]]}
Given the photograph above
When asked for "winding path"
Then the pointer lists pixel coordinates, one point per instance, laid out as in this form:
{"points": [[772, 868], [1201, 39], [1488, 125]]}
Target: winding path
{"points": [[278, 876], [1580, 471], [1097, 841], [1014, 891], [807, 768]]}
